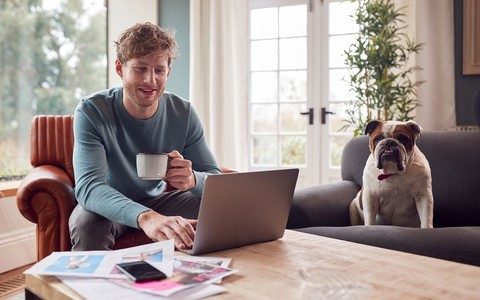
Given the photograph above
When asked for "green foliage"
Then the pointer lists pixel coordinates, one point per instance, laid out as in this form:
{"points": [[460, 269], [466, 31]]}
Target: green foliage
{"points": [[49, 59], [379, 66]]}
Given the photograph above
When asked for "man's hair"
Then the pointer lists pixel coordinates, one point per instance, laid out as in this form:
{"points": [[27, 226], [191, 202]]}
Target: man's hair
{"points": [[143, 39]]}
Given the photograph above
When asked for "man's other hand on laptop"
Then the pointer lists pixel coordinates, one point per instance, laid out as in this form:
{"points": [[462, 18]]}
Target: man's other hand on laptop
{"points": [[159, 227]]}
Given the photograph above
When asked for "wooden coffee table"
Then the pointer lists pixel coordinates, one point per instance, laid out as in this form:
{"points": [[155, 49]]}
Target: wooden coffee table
{"points": [[272, 271]]}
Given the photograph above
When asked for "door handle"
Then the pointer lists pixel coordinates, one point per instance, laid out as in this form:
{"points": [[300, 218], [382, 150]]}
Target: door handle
{"points": [[310, 115], [324, 114]]}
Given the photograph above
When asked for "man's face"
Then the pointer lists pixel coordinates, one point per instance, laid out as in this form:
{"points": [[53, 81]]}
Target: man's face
{"points": [[144, 81]]}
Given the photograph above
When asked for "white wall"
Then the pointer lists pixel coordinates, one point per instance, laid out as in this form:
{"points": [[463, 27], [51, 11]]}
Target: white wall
{"points": [[17, 237], [121, 15]]}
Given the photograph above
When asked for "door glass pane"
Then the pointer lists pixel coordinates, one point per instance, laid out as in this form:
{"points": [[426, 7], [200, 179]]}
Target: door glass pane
{"points": [[293, 21], [337, 120], [340, 20], [337, 143], [338, 45], [265, 151], [293, 53], [264, 118], [264, 23], [264, 55], [293, 150], [264, 87], [291, 120], [339, 88], [293, 86]]}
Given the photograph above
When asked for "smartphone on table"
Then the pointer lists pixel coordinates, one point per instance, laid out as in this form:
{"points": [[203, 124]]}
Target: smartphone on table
{"points": [[141, 271]]}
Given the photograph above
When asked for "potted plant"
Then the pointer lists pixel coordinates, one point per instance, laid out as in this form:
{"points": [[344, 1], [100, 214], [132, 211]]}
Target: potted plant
{"points": [[379, 66]]}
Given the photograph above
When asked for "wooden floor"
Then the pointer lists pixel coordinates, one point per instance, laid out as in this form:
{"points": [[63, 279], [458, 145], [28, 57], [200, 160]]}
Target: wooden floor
{"points": [[12, 273], [12, 283]]}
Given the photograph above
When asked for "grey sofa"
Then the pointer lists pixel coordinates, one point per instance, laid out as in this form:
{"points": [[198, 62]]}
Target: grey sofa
{"points": [[454, 159]]}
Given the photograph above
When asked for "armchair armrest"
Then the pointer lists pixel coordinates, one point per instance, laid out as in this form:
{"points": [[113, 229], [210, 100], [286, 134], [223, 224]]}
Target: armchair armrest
{"points": [[46, 197], [322, 205]]}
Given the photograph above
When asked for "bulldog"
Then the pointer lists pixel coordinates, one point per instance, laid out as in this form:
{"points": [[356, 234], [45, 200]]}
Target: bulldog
{"points": [[397, 182]]}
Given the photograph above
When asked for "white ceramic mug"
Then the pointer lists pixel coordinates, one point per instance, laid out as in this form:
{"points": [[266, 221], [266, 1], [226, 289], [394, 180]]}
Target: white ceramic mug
{"points": [[152, 166]]}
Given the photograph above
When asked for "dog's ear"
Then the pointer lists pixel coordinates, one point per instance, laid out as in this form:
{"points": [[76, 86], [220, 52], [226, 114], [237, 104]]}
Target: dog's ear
{"points": [[415, 128], [371, 127]]}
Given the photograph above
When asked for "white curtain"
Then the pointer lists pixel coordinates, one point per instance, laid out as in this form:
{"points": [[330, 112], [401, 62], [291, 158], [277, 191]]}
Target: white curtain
{"points": [[431, 22], [218, 76]]}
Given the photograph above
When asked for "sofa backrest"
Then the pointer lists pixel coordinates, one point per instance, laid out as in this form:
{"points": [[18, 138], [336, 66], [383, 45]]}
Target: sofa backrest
{"points": [[454, 159], [51, 142], [354, 157]]}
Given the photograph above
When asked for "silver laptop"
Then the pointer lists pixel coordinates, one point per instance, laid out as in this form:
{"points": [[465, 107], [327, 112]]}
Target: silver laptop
{"points": [[244, 208]]}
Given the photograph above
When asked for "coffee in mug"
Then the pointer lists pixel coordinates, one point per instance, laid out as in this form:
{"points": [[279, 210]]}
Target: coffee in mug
{"points": [[152, 166]]}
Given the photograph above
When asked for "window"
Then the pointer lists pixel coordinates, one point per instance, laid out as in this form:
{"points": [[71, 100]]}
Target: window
{"points": [[278, 89], [52, 53], [298, 91], [342, 32]]}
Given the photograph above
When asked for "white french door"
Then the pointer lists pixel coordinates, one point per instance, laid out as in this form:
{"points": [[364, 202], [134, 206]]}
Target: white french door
{"points": [[297, 94]]}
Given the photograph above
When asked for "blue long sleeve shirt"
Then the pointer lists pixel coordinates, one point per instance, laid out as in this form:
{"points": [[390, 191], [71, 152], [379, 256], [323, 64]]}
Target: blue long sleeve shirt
{"points": [[107, 140]]}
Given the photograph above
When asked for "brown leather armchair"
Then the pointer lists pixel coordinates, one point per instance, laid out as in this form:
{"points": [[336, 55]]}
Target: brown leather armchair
{"points": [[46, 195]]}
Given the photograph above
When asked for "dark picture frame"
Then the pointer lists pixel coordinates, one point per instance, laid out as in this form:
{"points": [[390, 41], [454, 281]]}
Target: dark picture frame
{"points": [[471, 37]]}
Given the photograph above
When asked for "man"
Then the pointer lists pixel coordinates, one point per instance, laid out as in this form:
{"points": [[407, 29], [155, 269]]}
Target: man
{"points": [[112, 126]]}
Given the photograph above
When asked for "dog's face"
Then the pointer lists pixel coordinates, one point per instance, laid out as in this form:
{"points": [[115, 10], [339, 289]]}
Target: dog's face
{"points": [[392, 144]]}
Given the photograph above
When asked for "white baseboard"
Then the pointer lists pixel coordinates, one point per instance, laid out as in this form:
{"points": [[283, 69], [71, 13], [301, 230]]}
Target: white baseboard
{"points": [[17, 248]]}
